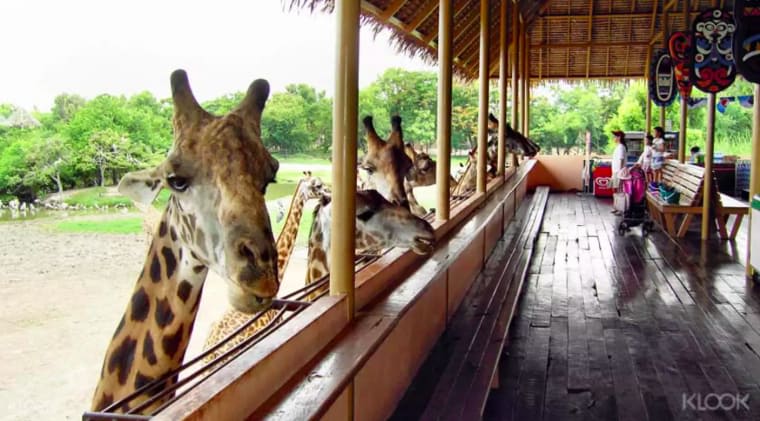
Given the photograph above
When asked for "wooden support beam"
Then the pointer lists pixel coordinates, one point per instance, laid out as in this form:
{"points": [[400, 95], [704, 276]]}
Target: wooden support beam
{"points": [[707, 194], [589, 45], [422, 14], [376, 12], [483, 98], [583, 18], [345, 111], [443, 167], [464, 42], [589, 38], [392, 8], [515, 53], [503, 51], [434, 33]]}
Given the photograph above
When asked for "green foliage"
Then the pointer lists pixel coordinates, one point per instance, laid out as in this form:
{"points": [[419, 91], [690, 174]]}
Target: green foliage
{"points": [[97, 196]]}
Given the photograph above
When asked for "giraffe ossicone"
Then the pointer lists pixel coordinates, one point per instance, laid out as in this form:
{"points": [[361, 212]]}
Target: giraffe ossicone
{"points": [[217, 171]]}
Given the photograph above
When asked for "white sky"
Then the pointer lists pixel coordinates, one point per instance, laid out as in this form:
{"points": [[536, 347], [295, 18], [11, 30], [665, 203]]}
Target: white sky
{"points": [[90, 47]]}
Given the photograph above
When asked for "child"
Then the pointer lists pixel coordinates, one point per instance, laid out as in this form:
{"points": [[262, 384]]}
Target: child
{"points": [[658, 153], [645, 159]]}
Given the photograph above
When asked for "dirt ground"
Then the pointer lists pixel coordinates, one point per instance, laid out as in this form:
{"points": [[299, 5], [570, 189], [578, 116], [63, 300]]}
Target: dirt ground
{"points": [[62, 297]]}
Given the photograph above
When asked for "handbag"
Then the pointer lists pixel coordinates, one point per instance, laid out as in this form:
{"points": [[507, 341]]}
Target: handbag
{"points": [[669, 194], [621, 201]]}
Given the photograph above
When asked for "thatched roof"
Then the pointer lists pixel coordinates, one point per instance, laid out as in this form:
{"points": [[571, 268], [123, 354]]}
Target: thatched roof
{"points": [[569, 39]]}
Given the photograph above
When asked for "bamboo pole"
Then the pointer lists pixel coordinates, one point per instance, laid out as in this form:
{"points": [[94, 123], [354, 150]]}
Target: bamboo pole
{"points": [[684, 123], [443, 168], [520, 69], [648, 114], [503, 51], [662, 117], [343, 224], [526, 83], [682, 130], [514, 57], [754, 178], [707, 195], [483, 114]]}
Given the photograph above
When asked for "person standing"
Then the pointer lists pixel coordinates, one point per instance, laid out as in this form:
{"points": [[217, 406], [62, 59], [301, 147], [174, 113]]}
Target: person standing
{"points": [[618, 159], [658, 153], [645, 159]]}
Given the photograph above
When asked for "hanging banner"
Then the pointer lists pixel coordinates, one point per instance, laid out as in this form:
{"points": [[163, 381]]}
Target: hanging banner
{"points": [[714, 68], [679, 47], [662, 81], [746, 43], [746, 101], [722, 104]]}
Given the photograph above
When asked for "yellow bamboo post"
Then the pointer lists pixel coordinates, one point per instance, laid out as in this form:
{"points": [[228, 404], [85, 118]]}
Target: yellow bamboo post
{"points": [[684, 120], [514, 57], [648, 114], [526, 82], [754, 178], [443, 168], [707, 195], [647, 101], [503, 50], [343, 224], [520, 69], [483, 114], [662, 117]]}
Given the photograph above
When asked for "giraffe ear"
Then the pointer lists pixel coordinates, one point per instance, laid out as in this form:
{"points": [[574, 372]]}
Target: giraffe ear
{"points": [[373, 140], [141, 186], [253, 104], [186, 108], [397, 135]]}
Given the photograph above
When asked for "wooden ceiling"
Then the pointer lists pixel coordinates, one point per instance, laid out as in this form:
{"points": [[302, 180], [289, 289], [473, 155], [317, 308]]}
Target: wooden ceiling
{"points": [[569, 39]]}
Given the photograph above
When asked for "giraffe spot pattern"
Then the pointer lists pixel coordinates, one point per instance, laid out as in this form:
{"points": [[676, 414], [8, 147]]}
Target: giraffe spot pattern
{"points": [[119, 328], [122, 358], [164, 314], [105, 400], [140, 305], [173, 233], [170, 343], [155, 269], [183, 290], [142, 380], [199, 268], [148, 352], [162, 229], [170, 260]]}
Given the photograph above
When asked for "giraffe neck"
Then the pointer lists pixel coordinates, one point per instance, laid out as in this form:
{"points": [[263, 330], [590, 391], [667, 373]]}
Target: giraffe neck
{"points": [[468, 179], [154, 331], [286, 241], [318, 264]]}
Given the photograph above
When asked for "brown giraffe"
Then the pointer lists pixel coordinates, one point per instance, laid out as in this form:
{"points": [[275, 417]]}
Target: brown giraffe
{"points": [[217, 171], [309, 187], [515, 140], [380, 224]]}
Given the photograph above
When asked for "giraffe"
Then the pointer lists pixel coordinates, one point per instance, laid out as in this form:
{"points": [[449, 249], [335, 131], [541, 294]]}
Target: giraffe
{"points": [[515, 140], [391, 171], [309, 187], [216, 218], [380, 224]]}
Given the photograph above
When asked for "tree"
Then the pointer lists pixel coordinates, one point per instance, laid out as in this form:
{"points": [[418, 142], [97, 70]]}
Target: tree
{"points": [[66, 105], [46, 161]]}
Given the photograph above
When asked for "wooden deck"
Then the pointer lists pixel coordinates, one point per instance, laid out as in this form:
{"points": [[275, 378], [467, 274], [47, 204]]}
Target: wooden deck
{"points": [[629, 328]]}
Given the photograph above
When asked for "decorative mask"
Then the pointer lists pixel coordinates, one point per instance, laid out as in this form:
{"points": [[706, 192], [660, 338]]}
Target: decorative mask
{"points": [[679, 46], [714, 68], [747, 39], [662, 84]]}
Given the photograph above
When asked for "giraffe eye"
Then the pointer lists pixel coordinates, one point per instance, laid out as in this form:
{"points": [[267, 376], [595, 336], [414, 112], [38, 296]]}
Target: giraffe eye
{"points": [[366, 215], [178, 184]]}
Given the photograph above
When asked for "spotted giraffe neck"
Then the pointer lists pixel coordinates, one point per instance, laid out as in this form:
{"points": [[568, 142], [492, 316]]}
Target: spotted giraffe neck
{"points": [[467, 180], [154, 331], [286, 241]]}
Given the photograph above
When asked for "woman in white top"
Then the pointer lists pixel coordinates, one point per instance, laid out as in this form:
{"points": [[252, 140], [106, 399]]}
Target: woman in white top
{"points": [[645, 159], [618, 158]]}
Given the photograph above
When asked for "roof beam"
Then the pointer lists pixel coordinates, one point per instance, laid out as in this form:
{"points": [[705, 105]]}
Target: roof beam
{"points": [[434, 33], [590, 45], [392, 8], [375, 11], [470, 21], [563, 18], [420, 17], [590, 37]]}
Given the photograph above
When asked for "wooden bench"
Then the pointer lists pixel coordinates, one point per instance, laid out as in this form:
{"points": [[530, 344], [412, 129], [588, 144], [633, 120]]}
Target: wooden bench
{"points": [[456, 378], [688, 180]]}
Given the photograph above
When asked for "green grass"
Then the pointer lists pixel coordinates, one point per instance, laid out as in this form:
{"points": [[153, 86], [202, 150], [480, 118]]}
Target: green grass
{"points": [[303, 158], [97, 196], [120, 225]]}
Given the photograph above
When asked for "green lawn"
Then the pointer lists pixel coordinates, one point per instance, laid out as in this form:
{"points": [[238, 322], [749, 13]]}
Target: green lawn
{"points": [[116, 225]]}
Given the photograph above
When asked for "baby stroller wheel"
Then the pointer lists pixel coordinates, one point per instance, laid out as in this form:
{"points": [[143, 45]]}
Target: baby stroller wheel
{"points": [[623, 228]]}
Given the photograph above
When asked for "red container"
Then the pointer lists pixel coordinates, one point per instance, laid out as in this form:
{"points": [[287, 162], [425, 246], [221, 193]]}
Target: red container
{"points": [[602, 176]]}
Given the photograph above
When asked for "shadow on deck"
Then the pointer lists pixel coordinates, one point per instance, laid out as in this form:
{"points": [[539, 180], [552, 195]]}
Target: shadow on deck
{"points": [[628, 327]]}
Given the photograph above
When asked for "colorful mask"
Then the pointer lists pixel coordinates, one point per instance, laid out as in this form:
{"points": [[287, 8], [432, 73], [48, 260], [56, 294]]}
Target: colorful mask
{"points": [[679, 46], [662, 83], [714, 68], [747, 39]]}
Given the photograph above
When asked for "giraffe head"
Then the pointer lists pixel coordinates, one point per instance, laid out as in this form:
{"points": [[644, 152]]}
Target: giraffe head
{"points": [[515, 140], [312, 187], [424, 169], [217, 171], [386, 162]]}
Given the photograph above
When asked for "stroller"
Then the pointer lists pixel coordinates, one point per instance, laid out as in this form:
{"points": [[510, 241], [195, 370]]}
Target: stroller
{"points": [[635, 187]]}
